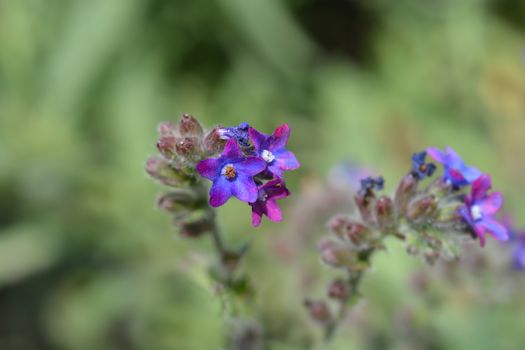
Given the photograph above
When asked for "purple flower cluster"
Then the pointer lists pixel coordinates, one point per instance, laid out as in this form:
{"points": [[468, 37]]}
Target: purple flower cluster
{"points": [[251, 168], [479, 207]]}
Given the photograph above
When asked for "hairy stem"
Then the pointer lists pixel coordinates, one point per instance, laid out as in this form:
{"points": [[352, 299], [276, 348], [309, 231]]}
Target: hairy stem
{"points": [[354, 282]]}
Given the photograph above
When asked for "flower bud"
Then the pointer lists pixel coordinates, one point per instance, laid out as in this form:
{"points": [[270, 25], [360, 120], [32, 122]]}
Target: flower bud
{"points": [[349, 230], [167, 145], [335, 254], [189, 126], [424, 208], [188, 147], [339, 289], [405, 192], [364, 205], [160, 168], [384, 212], [176, 200], [213, 143], [318, 310]]}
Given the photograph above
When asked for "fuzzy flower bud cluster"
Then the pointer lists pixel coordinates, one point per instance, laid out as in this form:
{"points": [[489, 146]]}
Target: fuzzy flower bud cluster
{"points": [[181, 146]]}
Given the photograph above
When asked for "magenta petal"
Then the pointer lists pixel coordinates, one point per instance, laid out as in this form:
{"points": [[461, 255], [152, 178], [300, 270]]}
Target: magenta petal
{"points": [[208, 168], [279, 138], [491, 204], [455, 176], [273, 211], [436, 154], [257, 213], [251, 166], [286, 160], [257, 138], [220, 192], [244, 189], [480, 187], [231, 150], [496, 229]]}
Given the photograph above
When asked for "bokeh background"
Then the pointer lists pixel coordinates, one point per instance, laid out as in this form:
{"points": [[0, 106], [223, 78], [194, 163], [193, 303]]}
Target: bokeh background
{"points": [[86, 260]]}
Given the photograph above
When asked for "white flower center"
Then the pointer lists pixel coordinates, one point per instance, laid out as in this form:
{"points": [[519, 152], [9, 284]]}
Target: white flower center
{"points": [[267, 156], [476, 212]]}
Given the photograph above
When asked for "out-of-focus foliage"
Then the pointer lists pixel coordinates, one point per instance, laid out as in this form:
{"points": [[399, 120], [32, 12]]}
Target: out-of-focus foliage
{"points": [[86, 262]]}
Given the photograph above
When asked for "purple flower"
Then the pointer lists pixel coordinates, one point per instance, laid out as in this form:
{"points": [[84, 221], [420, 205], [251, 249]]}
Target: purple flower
{"points": [[272, 150], [232, 175], [420, 168], [480, 208], [457, 172], [266, 204]]}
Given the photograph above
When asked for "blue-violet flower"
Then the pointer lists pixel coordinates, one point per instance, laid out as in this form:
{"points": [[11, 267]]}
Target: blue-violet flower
{"points": [[420, 168], [480, 208], [273, 150], [232, 175], [266, 203]]}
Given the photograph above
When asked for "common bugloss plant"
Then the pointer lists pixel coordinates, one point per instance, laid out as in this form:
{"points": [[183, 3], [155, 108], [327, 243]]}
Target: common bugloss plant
{"points": [[432, 215], [240, 162]]}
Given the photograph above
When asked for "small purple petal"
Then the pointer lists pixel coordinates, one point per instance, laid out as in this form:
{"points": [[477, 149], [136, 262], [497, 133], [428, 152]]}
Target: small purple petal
{"points": [[456, 177], [257, 214], [279, 138], [273, 211], [231, 150], [208, 168], [244, 189], [276, 170], [277, 192], [251, 166], [481, 235], [491, 204], [480, 187], [258, 139], [436, 154], [465, 213], [470, 173], [286, 160], [220, 192], [496, 229], [453, 159]]}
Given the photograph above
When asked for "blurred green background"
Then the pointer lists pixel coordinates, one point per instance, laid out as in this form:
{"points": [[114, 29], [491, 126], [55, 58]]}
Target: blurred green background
{"points": [[87, 262]]}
